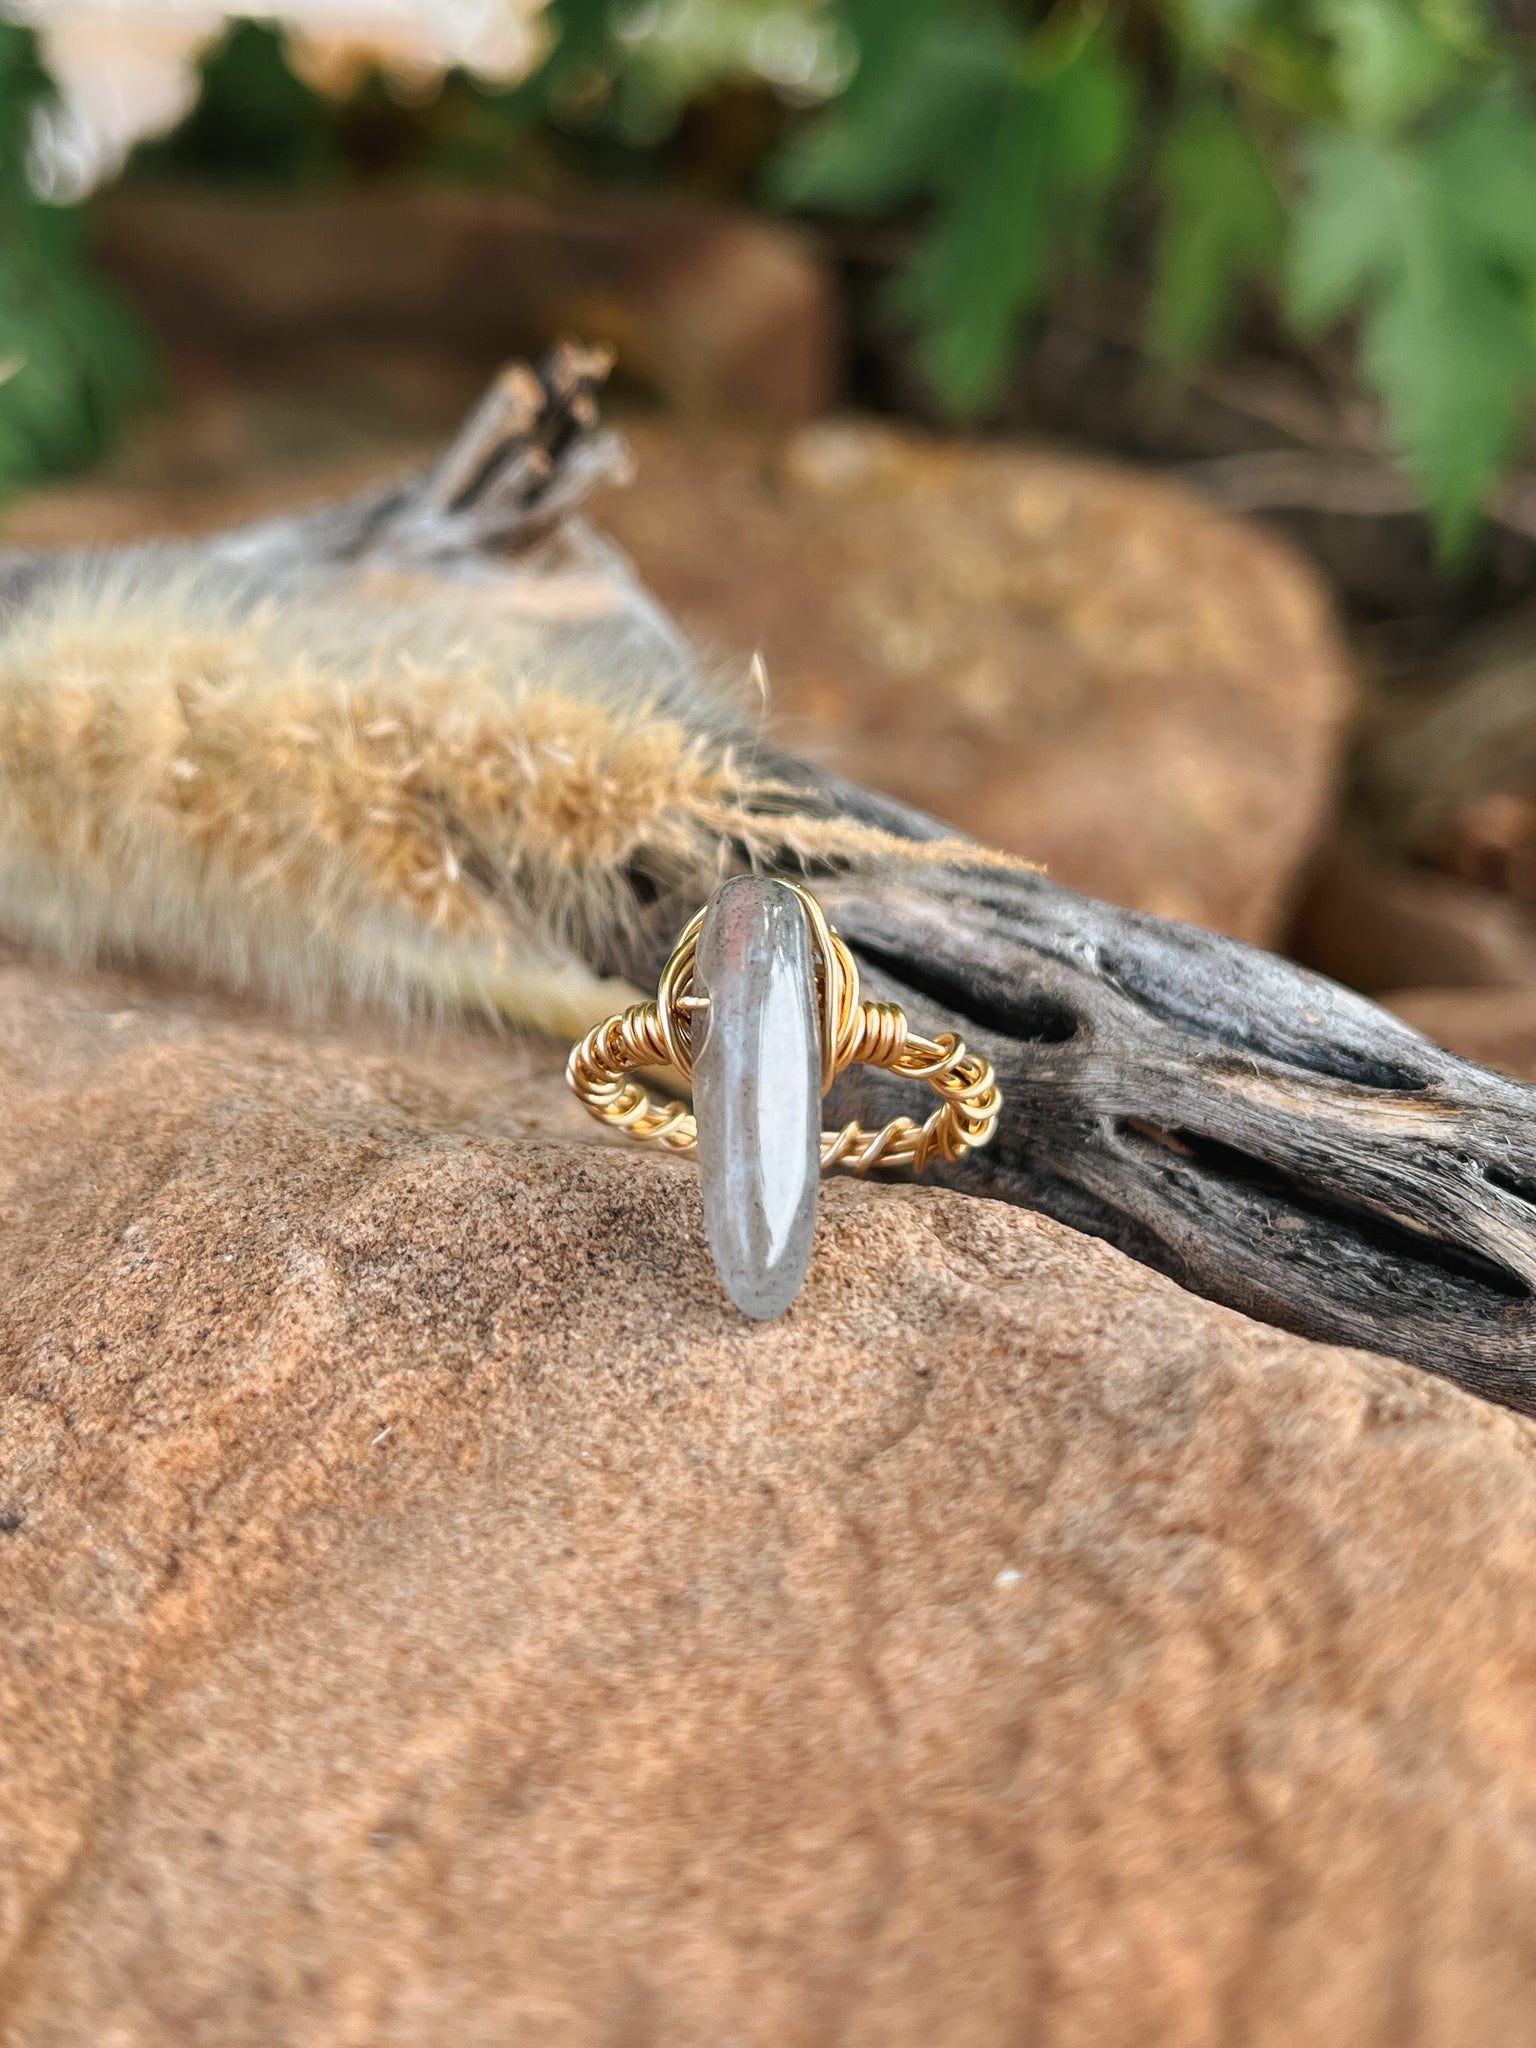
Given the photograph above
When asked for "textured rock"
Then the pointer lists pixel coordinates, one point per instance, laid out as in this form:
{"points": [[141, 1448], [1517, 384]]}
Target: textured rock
{"points": [[433, 1617], [1086, 665]]}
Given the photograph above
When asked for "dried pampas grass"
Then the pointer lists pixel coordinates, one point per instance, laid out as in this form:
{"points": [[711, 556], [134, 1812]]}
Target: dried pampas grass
{"points": [[405, 796]]}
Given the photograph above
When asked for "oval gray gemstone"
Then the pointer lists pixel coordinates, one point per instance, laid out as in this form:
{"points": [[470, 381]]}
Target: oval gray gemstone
{"points": [[757, 1091]]}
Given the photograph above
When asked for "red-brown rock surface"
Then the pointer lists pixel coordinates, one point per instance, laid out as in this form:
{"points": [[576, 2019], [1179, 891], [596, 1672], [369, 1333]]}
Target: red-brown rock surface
{"points": [[431, 1617], [714, 310], [1379, 924], [1088, 666]]}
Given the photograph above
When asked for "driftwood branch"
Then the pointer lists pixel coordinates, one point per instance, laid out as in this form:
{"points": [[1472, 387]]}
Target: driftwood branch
{"points": [[1267, 1138]]}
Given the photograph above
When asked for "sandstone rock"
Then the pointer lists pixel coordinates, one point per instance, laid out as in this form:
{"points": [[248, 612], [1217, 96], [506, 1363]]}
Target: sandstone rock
{"points": [[1083, 664], [1494, 1026], [1377, 924], [432, 1617]]}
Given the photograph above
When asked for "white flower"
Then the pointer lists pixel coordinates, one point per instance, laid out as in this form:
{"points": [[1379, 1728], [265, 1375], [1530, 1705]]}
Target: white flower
{"points": [[126, 69]]}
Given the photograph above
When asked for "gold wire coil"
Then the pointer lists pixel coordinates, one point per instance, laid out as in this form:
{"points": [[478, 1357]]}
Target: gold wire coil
{"points": [[853, 1033]]}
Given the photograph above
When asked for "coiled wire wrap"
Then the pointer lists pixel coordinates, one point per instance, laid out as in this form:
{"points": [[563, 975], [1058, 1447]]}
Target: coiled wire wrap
{"points": [[853, 1033]]}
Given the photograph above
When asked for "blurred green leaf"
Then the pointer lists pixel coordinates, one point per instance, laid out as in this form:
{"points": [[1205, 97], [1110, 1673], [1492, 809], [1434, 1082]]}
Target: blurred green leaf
{"points": [[1345, 227], [81, 357], [1388, 61], [1212, 25], [1430, 242], [910, 116], [1453, 357], [1222, 222], [1008, 139], [1046, 150], [1484, 159]]}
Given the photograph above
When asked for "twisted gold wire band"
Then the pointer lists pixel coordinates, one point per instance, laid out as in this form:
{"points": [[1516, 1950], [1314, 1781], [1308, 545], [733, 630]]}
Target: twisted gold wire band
{"points": [[853, 1033]]}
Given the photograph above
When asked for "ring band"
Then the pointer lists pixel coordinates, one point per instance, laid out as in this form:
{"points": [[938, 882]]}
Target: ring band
{"points": [[853, 1033]]}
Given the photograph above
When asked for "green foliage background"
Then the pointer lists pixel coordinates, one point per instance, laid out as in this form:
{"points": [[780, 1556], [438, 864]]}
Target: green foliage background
{"points": [[1368, 161], [72, 355], [1360, 166]]}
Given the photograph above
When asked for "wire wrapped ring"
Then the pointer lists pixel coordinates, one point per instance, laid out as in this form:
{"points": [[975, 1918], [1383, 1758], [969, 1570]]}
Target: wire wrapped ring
{"points": [[853, 1033]]}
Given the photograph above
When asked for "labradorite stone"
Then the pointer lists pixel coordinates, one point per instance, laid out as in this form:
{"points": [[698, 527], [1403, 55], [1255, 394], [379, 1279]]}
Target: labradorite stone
{"points": [[757, 1091]]}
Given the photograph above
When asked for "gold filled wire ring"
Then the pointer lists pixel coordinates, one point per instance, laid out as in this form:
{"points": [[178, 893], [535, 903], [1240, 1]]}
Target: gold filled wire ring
{"points": [[601, 1068]]}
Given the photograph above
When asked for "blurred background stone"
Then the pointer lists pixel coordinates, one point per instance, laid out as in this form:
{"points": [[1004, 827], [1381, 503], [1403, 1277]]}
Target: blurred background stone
{"points": [[433, 1617], [1377, 923], [1084, 665]]}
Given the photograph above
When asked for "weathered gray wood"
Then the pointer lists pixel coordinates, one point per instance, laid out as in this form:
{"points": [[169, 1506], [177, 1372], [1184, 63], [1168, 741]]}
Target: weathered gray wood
{"points": [[1270, 1140], [524, 460]]}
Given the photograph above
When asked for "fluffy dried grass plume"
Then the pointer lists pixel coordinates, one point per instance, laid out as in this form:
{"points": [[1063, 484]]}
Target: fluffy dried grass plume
{"points": [[410, 798]]}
